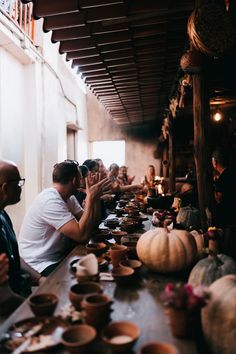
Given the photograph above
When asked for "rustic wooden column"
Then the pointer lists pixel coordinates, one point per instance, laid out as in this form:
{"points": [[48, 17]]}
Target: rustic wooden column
{"points": [[171, 158], [202, 144], [165, 161]]}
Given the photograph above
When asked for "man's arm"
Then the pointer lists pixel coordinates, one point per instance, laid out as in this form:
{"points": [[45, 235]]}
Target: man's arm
{"points": [[80, 230], [36, 277]]}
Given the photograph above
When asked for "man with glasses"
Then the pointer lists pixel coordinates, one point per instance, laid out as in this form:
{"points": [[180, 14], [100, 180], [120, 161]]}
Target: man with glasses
{"points": [[56, 221], [10, 191]]}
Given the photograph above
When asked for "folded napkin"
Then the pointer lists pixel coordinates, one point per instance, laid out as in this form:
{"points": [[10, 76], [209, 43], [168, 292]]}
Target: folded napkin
{"points": [[87, 265]]}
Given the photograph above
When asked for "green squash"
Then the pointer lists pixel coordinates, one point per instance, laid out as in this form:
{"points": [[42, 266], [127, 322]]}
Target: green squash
{"points": [[207, 270]]}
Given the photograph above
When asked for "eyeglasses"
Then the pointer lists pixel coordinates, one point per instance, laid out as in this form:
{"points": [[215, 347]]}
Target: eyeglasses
{"points": [[20, 182]]}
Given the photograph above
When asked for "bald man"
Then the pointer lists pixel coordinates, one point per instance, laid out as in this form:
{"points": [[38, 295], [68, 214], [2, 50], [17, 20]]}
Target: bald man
{"points": [[11, 184]]}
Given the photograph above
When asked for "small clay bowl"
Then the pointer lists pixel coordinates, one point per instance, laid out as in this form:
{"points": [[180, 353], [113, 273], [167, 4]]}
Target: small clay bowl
{"points": [[122, 275], [96, 248], [133, 213], [118, 234], [43, 304], [79, 291], [120, 336], [77, 339], [132, 263], [158, 348], [101, 235], [129, 226], [112, 223]]}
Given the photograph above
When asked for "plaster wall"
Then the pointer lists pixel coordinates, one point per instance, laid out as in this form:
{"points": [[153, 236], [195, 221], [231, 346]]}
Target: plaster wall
{"points": [[140, 142], [39, 95]]}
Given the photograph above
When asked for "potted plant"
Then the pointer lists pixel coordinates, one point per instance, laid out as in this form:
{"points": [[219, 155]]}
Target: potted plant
{"points": [[183, 303]]}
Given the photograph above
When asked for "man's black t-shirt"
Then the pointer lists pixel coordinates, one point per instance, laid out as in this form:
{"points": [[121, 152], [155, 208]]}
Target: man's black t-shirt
{"points": [[8, 245]]}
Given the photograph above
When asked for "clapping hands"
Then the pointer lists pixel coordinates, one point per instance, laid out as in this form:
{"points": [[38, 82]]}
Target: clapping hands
{"points": [[95, 186]]}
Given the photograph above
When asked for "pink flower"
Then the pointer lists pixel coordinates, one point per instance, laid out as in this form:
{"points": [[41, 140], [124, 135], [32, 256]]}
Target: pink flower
{"points": [[184, 296]]}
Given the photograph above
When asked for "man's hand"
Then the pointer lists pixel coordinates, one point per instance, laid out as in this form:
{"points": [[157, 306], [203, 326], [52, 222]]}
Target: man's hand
{"points": [[97, 189], [131, 179], [4, 268]]}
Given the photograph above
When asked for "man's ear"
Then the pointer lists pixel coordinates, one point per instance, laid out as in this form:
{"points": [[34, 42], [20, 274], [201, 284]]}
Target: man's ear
{"points": [[4, 187]]}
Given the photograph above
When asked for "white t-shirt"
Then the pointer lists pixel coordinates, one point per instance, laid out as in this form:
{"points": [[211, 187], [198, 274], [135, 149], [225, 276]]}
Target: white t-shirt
{"points": [[40, 242]]}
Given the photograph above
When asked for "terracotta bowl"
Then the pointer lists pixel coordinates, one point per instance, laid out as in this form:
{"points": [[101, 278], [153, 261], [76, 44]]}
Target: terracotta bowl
{"points": [[77, 339], [118, 234], [158, 348], [96, 248], [133, 213], [101, 235], [120, 336], [43, 304], [132, 263], [129, 226], [112, 223], [122, 275], [79, 291]]}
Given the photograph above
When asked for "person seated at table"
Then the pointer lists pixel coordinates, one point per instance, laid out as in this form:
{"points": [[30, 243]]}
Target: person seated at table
{"points": [[92, 165], [148, 180], [80, 194], [56, 221], [10, 191], [118, 188], [225, 196], [102, 169], [123, 176]]}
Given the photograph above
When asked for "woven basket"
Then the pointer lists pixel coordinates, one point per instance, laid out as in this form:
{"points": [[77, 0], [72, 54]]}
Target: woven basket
{"points": [[192, 61], [211, 30]]}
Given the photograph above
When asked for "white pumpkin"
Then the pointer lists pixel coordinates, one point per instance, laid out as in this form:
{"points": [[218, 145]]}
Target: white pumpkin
{"points": [[167, 251], [219, 316], [200, 242]]}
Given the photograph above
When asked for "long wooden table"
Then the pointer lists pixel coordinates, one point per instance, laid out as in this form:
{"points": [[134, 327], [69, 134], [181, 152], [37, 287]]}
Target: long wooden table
{"points": [[139, 303]]}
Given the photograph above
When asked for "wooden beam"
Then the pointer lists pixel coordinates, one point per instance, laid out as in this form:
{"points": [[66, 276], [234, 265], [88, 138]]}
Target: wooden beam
{"points": [[202, 145], [86, 4], [64, 21], [70, 46], [50, 8], [70, 33]]}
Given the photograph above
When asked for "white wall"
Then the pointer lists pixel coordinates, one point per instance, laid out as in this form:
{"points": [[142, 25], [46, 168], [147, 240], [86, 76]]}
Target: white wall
{"points": [[39, 95], [140, 143]]}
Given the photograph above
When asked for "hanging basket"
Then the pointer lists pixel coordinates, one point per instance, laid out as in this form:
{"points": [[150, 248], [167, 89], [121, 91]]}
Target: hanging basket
{"points": [[191, 62], [211, 30]]}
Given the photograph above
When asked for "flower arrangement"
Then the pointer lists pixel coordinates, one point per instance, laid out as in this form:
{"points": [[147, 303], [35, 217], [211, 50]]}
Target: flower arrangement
{"points": [[184, 296], [214, 233]]}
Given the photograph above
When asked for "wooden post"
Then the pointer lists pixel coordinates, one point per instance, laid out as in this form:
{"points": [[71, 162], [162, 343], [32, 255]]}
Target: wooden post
{"points": [[171, 158], [202, 145]]}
